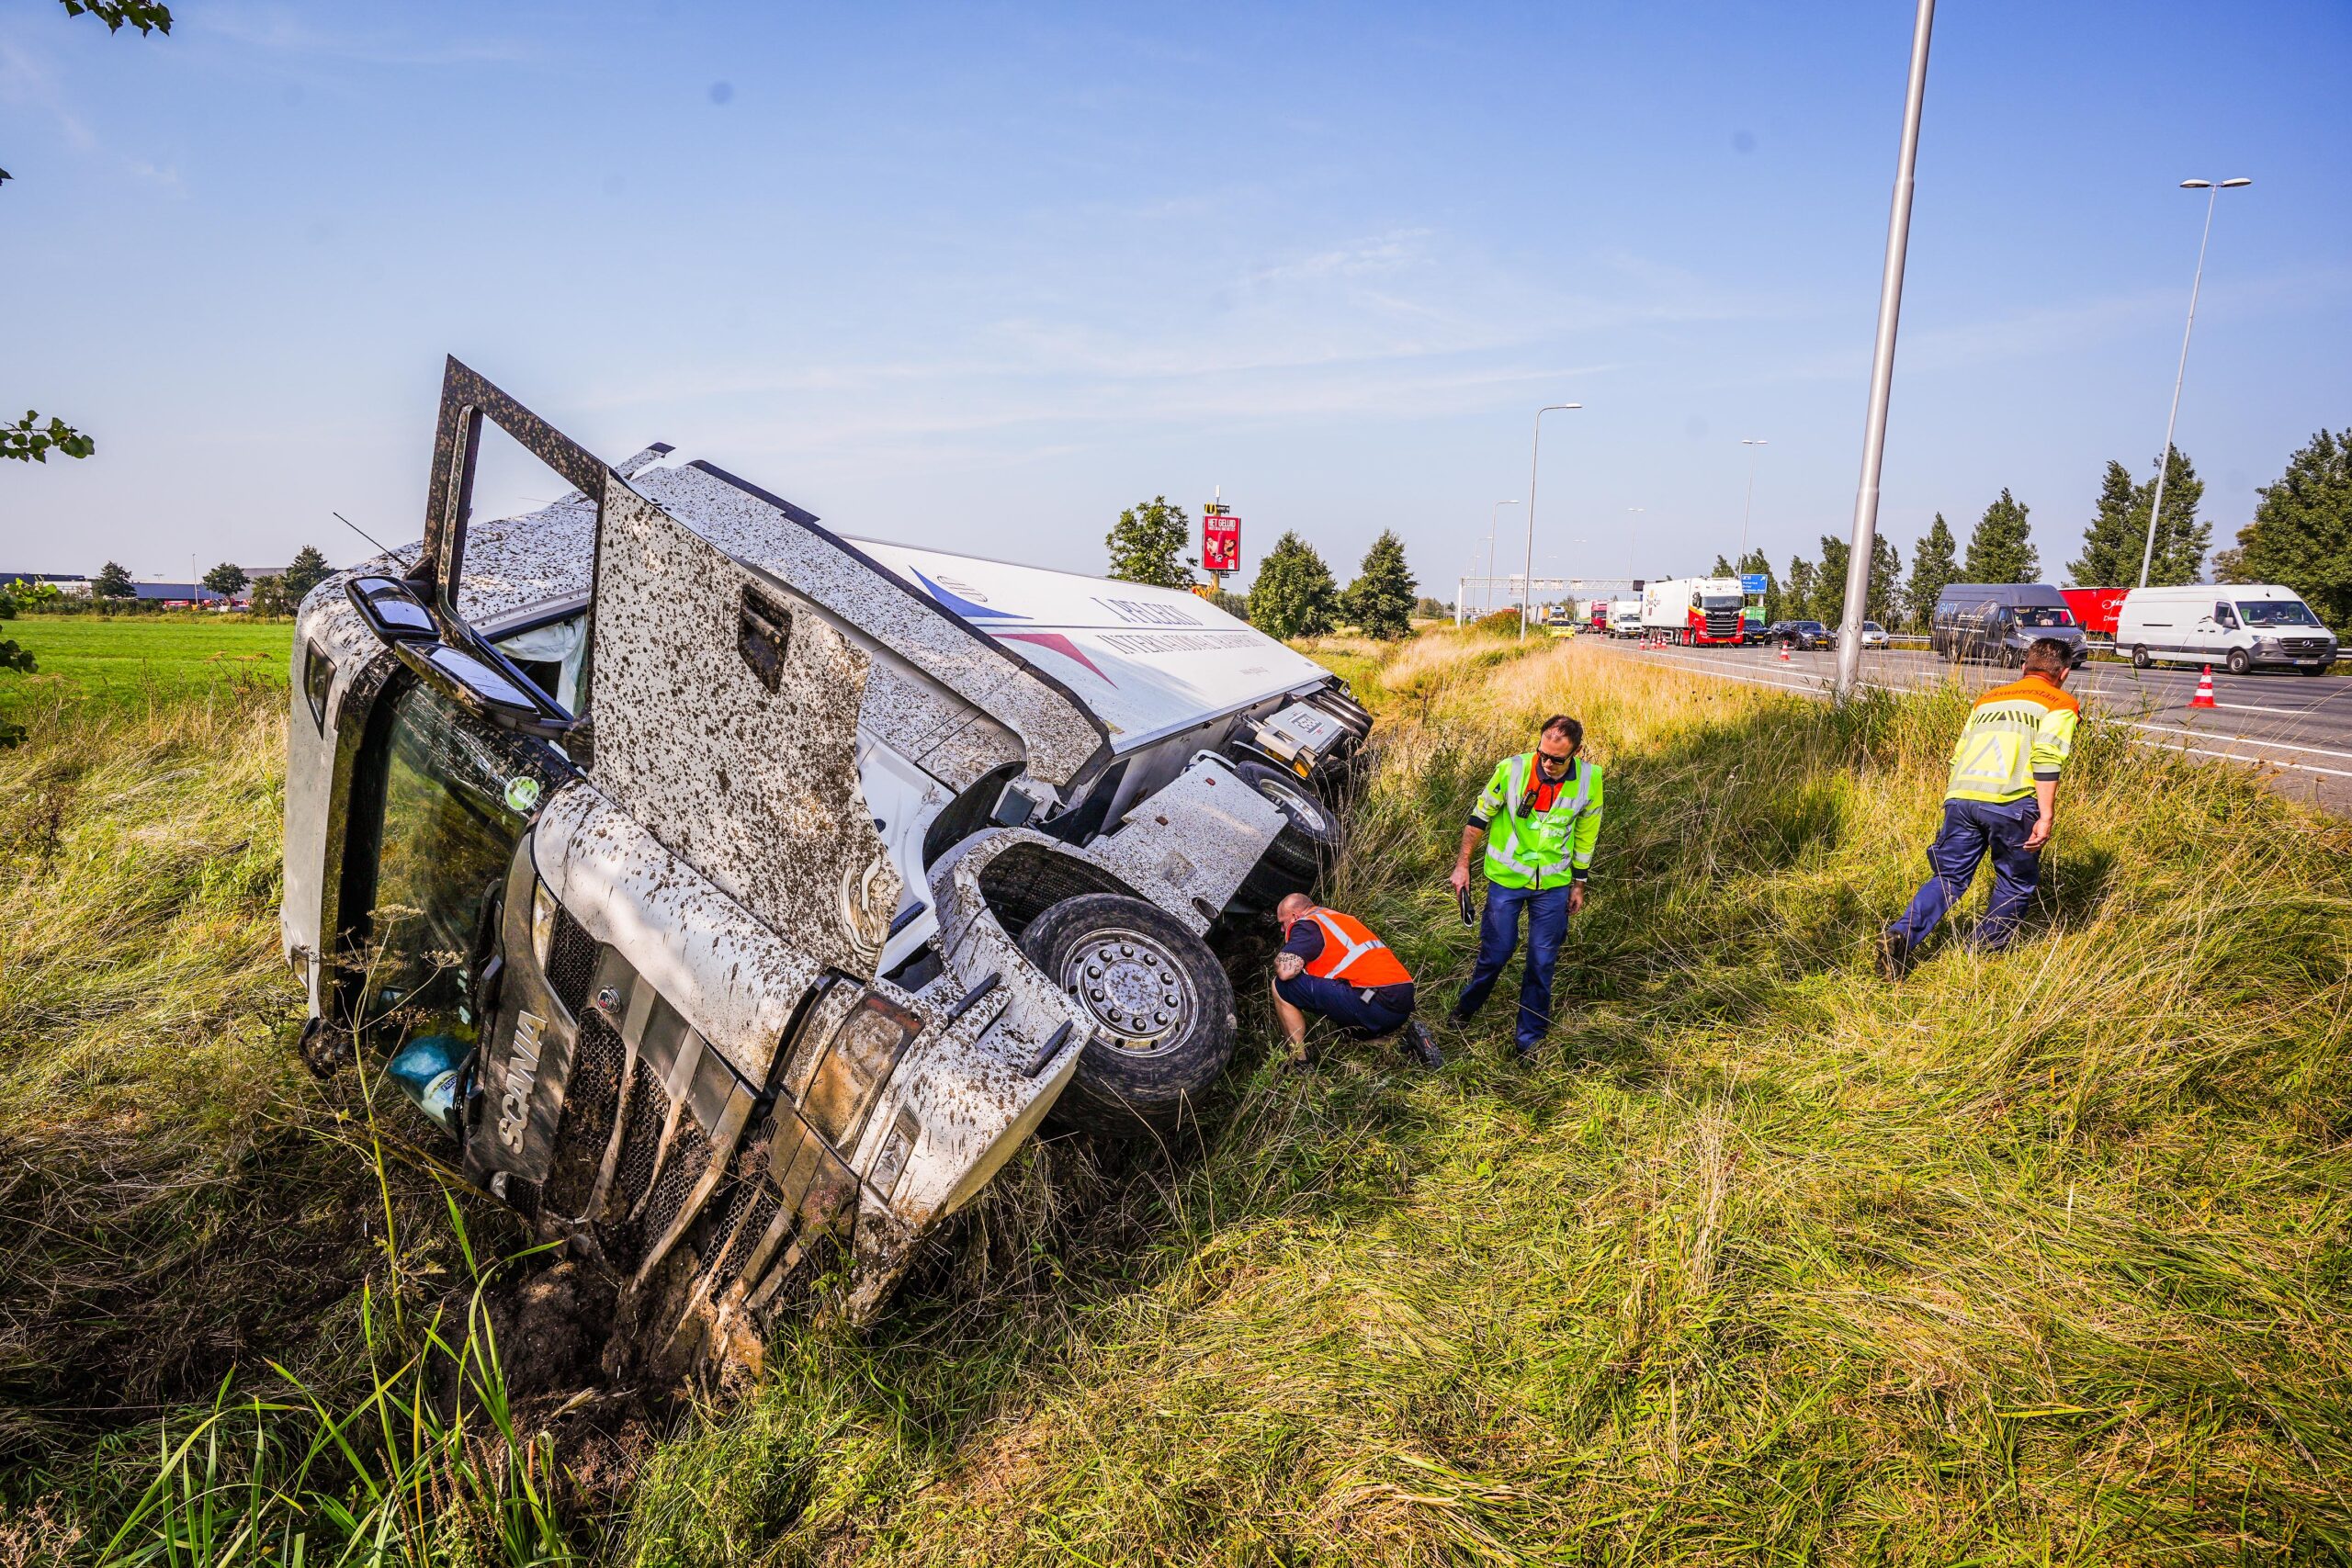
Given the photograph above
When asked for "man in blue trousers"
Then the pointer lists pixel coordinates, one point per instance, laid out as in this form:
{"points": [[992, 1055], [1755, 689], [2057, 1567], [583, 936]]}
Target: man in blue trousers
{"points": [[1540, 815], [2000, 801]]}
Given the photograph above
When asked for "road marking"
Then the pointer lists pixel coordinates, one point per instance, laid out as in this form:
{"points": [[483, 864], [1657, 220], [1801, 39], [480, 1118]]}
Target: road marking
{"points": [[2240, 739], [1715, 670]]}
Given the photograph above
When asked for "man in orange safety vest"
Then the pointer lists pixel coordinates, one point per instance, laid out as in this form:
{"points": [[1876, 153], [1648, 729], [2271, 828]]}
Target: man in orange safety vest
{"points": [[1332, 965]]}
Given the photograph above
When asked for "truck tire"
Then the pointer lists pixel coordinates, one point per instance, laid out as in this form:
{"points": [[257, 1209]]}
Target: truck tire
{"points": [[2239, 662], [1161, 1005], [1311, 833], [2140, 659]]}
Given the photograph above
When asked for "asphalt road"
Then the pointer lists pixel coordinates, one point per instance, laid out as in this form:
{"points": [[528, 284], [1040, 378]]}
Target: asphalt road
{"points": [[2296, 728]]}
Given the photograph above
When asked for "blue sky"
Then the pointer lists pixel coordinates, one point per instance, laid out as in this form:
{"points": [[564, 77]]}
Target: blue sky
{"points": [[978, 275]]}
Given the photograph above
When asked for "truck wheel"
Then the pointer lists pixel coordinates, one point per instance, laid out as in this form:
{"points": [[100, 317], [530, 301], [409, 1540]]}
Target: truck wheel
{"points": [[1161, 1008], [1311, 833], [2239, 662], [2140, 659]]}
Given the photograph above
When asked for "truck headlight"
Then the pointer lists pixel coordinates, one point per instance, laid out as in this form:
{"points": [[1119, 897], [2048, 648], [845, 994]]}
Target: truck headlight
{"points": [[542, 924]]}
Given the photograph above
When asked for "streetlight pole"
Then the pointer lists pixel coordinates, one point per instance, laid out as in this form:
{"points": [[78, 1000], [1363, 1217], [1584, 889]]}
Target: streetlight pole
{"points": [[2163, 464], [1890, 311], [1755, 452], [1493, 512], [1527, 578]]}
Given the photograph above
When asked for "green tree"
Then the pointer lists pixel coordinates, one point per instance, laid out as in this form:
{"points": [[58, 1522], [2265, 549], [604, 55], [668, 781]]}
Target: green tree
{"points": [[29, 441], [1380, 601], [2001, 550], [1430, 609], [1723, 567], [144, 15], [310, 569], [226, 579], [1829, 605], [1932, 570], [2301, 531], [2118, 533], [1148, 544], [1885, 598], [269, 598], [2181, 539], [2110, 556], [1294, 595], [113, 581], [1796, 600]]}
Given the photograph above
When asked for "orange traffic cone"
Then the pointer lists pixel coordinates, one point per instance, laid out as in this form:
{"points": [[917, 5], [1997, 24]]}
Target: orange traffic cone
{"points": [[2204, 697], [1784, 653]]}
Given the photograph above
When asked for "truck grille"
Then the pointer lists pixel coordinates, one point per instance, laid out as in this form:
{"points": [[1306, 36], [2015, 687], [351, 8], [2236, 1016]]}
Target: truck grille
{"points": [[590, 1096], [1722, 623], [572, 962], [649, 1107], [689, 1160], [2305, 647]]}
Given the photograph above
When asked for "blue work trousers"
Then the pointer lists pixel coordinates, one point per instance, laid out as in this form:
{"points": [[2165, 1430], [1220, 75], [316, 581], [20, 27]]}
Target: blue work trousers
{"points": [[1972, 829], [1547, 924]]}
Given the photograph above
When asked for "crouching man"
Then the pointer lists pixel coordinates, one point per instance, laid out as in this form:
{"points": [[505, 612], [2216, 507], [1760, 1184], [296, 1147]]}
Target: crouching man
{"points": [[1332, 967]]}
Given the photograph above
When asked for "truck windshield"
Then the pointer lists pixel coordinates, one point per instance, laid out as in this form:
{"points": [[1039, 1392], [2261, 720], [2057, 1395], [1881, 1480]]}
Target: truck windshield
{"points": [[2276, 612], [2044, 615], [441, 855], [1722, 600]]}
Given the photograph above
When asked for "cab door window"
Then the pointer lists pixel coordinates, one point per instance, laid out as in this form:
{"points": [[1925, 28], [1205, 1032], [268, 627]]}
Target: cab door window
{"points": [[442, 840]]}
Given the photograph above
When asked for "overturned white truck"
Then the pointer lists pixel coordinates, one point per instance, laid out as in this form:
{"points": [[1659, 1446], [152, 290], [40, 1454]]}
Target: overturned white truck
{"points": [[738, 895]]}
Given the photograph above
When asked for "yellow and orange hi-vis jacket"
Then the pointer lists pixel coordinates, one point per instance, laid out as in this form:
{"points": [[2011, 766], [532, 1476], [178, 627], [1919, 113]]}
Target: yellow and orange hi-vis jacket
{"points": [[2016, 734]]}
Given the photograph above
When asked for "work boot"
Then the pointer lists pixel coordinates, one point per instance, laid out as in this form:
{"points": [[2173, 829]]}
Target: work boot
{"points": [[1894, 954], [1415, 1042], [1301, 1058]]}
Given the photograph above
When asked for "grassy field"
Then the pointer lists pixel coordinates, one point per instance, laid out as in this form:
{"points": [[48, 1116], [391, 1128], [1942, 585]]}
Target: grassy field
{"points": [[142, 663], [2037, 1258]]}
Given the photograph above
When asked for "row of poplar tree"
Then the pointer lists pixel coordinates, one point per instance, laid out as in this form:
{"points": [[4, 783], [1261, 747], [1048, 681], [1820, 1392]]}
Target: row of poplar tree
{"points": [[2301, 536], [1294, 594]]}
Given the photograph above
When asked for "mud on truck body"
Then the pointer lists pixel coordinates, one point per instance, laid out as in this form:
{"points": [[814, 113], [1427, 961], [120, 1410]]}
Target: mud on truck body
{"points": [[740, 897]]}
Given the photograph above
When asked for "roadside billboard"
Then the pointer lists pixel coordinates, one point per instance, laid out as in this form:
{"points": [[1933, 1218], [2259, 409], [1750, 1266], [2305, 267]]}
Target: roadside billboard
{"points": [[1220, 542]]}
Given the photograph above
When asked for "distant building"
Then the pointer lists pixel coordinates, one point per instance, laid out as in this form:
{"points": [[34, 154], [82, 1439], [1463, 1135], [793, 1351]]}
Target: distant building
{"points": [[64, 582]]}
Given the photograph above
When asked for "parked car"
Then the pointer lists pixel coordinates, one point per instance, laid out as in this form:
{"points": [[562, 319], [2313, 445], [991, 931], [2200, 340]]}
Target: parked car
{"points": [[1802, 635], [736, 897], [1873, 635], [1996, 622], [2241, 626]]}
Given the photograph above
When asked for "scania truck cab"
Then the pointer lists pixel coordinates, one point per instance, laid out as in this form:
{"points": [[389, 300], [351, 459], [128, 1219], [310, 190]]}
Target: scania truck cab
{"points": [[736, 897]]}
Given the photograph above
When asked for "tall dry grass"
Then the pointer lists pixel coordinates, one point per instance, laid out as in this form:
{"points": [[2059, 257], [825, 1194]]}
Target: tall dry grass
{"points": [[2034, 1259]]}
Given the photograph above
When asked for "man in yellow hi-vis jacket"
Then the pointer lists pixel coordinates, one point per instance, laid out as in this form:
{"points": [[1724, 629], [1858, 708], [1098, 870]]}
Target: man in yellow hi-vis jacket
{"points": [[1541, 816], [2001, 800]]}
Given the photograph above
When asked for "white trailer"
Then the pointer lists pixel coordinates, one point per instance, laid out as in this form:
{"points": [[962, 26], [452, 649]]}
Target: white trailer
{"points": [[1694, 610]]}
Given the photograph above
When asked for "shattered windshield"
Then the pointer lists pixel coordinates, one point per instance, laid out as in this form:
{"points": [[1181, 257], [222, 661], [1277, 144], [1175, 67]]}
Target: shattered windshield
{"points": [[2276, 612]]}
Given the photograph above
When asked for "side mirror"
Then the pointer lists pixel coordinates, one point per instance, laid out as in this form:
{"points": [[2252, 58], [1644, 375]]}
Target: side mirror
{"points": [[453, 661], [391, 609]]}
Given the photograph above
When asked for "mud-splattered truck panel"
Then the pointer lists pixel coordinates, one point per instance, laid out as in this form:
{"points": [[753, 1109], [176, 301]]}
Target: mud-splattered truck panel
{"points": [[738, 896]]}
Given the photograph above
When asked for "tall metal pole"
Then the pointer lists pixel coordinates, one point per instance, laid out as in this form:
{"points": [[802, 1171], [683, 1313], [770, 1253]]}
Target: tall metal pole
{"points": [[1889, 309], [1755, 455], [1527, 578], [2163, 464]]}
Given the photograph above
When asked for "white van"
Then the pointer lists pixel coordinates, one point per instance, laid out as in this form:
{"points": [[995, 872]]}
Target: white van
{"points": [[2237, 624], [1624, 617]]}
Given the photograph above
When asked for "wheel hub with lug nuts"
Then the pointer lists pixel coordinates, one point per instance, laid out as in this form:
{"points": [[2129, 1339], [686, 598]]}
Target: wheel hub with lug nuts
{"points": [[1132, 989]]}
